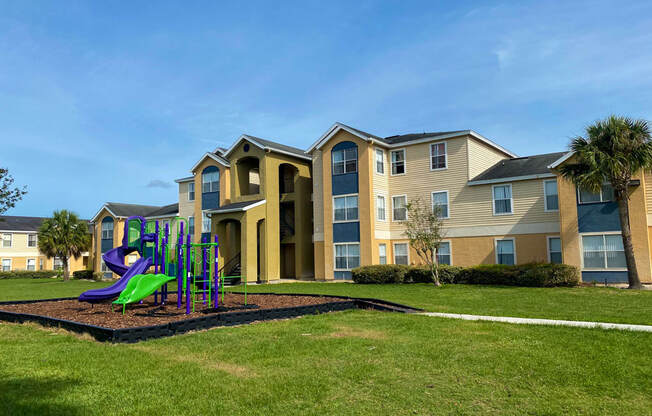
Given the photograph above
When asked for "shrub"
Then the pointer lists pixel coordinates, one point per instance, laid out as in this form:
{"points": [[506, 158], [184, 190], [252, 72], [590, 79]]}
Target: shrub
{"points": [[98, 276], [530, 275], [83, 274], [422, 274], [28, 274], [385, 273]]}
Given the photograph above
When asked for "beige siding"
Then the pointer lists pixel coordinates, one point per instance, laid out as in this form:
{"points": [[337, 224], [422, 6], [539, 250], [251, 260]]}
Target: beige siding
{"points": [[187, 208], [648, 190], [317, 196], [481, 157]]}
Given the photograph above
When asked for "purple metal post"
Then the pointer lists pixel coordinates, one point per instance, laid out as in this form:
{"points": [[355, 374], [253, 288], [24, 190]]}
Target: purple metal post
{"points": [[215, 277], [156, 260], [188, 275], [179, 270], [203, 262]]}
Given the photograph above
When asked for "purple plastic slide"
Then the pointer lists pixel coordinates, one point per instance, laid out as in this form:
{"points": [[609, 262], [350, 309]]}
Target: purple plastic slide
{"points": [[97, 295]]}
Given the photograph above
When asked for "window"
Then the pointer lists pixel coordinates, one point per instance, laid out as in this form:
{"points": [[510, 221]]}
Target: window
{"points": [[346, 208], [399, 208], [382, 253], [6, 265], [438, 156], [132, 259], [444, 253], [380, 207], [606, 194], [398, 162], [210, 180], [347, 256], [345, 161], [191, 226], [107, 230], [554, 250], [31, 240], [191, 191], [551, 198], [6, 240], [440, 199], [40, 264], [502, 199], [31, 264], [205, 223], [58, 264], [401, 253], [105, 269], [603, 251], [505, 253], [380, 161]]}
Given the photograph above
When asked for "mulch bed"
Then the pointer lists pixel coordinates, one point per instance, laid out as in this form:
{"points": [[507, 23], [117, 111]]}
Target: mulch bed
{"points": [[147, 314]]}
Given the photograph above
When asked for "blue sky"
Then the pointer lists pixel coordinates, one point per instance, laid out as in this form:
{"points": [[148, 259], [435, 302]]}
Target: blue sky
{"points": [[111, 101]]}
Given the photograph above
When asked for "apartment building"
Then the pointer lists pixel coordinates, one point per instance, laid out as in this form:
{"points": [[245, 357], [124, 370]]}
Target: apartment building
{"points": [[19, 247]]}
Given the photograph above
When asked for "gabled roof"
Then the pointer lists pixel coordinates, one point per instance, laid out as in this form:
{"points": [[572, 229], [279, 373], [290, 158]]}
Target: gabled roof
{"points": [[520, 168], [186, 179], [403, 139], [561, 160], [219, 159], [24, 224], [269, 146], [120, 210], [237, 206]]}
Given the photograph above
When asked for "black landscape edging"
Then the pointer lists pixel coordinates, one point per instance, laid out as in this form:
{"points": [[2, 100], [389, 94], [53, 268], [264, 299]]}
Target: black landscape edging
{"points": [[136, 334]]}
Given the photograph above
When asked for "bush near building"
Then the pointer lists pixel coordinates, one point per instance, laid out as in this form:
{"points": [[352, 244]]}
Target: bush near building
{"points": [[529, 275], [28, 274]]}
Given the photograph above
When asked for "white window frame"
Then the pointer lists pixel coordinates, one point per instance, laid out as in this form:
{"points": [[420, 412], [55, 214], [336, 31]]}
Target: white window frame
{"points": [[545, 197], [384, 208], [345, 209], [379, 256], [394, 252], [194, 195], [450, 246], [391, 162], [35, 240], [602, 200], [54, 263], [497, 239], [448, 203], [193, 225], [561, 248], [203, 215], [598, 269], [2, 265], [347, 256], [382, 152], [11, 240], [111, 230], [27, 264], [210, 182], [511, 199], [445, 155], [406, 202], [344, 160]]}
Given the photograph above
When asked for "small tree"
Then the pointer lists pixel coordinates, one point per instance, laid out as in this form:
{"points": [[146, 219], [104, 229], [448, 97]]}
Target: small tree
{"points": [[424, 229], [63, 236], [9, 194], [613, 150]]}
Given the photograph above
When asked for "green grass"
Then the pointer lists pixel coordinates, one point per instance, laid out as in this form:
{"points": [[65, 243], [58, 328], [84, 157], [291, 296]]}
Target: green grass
{"points": [[26, 289], [579, 304], [347, 363]]}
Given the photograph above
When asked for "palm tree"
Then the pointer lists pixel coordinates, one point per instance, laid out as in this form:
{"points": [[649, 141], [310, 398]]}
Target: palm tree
{"points": [[63, 236], [613, 150]]}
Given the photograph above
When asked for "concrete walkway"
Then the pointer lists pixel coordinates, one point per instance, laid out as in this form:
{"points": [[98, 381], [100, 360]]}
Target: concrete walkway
{"points": [[531, 321]]}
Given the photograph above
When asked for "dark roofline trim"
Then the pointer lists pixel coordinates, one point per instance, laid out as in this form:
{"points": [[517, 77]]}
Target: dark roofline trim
{"points": [[213, 156], [512, 179], [240, 209], [263, 147], [339, 126]]}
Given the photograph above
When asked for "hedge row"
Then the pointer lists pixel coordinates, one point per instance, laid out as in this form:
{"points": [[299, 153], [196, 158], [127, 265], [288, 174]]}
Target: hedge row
{"points": [[28, 274], [531, 275], [82, 274]]}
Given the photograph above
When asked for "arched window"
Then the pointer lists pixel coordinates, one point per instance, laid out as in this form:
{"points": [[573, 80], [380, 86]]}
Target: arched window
{"points": [[210, 179], [345, 158], [107, 228]]}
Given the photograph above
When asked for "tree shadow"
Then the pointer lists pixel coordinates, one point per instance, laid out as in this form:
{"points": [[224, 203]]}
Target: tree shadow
{"points": [[36, 396]]}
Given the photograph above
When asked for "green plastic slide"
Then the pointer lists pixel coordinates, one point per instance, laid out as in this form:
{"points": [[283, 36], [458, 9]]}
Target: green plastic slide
{"points": [[140, 287]]}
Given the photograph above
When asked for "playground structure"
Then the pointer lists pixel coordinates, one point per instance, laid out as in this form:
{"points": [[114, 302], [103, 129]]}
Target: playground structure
{"points": [[173, 257]]}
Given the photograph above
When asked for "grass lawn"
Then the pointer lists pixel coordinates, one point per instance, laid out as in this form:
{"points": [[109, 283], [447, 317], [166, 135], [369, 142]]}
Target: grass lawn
{"points": [[353, 362], [25, 289], [579, 304]]}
